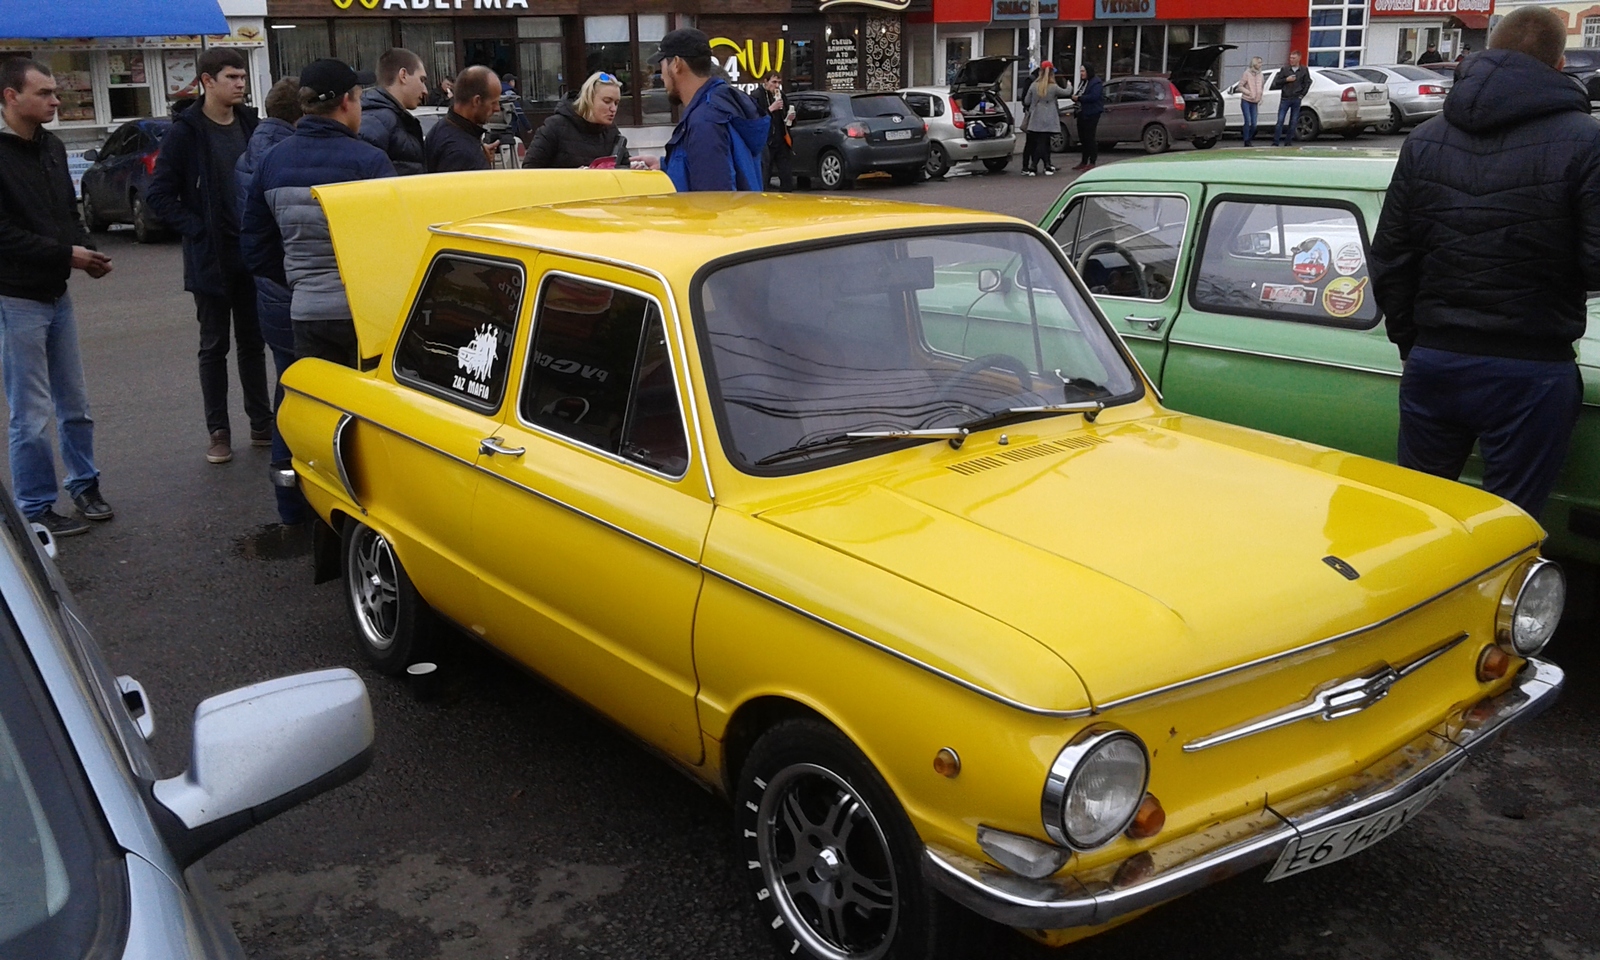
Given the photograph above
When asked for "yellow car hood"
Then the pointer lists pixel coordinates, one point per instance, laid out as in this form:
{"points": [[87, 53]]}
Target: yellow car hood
{"points": [[1155, 551]]}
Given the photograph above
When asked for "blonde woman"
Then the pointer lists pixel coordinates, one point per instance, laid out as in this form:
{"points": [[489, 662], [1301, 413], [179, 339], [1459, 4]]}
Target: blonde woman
{"points": [[1251, 88], [582, 131], [1041, 120]]}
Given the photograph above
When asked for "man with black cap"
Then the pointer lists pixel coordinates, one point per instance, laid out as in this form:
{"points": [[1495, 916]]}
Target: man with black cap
{"points": [[720, 135], [285, 231]]}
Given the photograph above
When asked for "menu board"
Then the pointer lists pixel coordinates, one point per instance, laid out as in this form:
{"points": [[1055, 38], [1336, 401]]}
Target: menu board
{"points": [[843, 62], [76, 90], [182, 79]]}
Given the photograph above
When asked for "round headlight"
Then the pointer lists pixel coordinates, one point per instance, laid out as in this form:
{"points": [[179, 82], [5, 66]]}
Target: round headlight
{"points": [[1095, 787], [1530, 608]]}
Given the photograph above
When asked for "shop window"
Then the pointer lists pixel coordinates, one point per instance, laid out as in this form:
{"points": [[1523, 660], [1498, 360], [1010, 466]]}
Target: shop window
{"points": [[435, 42], [957, 51], [1591, 32], [128, 84], [654, 105], [1097, 48], [802, 64], [1124, 44], [295, 43], [1064, 54], [1003, 43], [606, 47], [182, 75], [74, 73], [539, 61], [1152, 46], [1180, 40], [361, 42]]}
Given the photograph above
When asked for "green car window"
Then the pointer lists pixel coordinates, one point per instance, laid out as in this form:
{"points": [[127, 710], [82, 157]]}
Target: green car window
{"points": [[1287, 261], [1125, 245]]}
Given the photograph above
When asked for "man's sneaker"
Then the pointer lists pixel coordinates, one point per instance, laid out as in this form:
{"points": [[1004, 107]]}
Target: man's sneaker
{"points": [[92, 505], [261, 438], [221, 449], [1027, 173], [58, 525]]}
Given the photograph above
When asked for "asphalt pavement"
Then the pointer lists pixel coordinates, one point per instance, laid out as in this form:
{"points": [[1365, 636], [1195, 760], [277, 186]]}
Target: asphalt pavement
{"points": [[503, 820]]}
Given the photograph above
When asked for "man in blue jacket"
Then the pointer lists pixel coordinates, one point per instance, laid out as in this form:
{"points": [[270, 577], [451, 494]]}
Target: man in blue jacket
{"points": [[285, 234], [720, 135]]}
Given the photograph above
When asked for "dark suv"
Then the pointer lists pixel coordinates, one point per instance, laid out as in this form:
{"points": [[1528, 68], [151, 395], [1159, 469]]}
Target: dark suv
{"points": [[839, 136], [113, 187]]}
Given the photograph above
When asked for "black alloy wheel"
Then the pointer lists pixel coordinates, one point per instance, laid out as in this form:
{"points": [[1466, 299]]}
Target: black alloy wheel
{"points": [[1309, 126], [938, 162], [1060, 142]]}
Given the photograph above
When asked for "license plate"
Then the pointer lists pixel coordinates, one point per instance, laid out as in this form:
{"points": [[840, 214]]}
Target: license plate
{"points": [[1335, 843], [897, 135], [1373, 94]]}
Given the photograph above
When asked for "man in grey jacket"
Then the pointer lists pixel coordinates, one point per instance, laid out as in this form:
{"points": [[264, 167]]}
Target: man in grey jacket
{"points": [[386, 120], [285, 233]]}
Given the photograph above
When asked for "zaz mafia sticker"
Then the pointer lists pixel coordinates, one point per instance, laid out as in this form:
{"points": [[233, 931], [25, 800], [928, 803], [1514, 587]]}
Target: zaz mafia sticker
{"points": [[477, 358]]}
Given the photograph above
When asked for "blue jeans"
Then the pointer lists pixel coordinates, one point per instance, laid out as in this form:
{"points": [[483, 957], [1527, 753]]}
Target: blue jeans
{"points": [[1520, 412], [43, 372], [1281, 134], [277, 330], [1252, 113]]}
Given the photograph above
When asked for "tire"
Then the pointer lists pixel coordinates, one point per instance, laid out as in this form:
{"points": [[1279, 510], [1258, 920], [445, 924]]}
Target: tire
{"points": [[996, 164], [1309, 126], [805, 793], [1156, 139], [1060, 142], [1105, 146], [1391, 125], [1204, 143], [392, 623], [833, 173], [92, 220], [143, 230], [938, 162], [1352, 133], [906, 176]]}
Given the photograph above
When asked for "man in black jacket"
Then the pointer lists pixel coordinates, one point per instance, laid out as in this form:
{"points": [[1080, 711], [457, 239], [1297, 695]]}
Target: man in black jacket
{"points": [[1293, 82], [779, 157], [456, 141], [41, 243], [1488, 242], [386, 120], [195, 191]]}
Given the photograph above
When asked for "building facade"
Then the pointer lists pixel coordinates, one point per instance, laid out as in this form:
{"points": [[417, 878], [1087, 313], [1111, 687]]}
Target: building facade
{"points": [[1402, 30]]}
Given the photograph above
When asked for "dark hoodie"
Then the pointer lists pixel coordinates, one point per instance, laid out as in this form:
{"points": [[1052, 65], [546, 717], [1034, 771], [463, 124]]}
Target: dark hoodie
{"points": [[1490, 234], [391, 128], [567, 141]]}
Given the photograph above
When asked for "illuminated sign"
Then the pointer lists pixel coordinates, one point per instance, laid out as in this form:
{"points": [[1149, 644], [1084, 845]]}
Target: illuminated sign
{"points": [[895, 5], [1406, 8]]}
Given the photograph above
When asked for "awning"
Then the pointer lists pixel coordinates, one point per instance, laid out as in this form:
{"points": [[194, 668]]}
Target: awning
{"points": [[1472, 21], [59, 19]]}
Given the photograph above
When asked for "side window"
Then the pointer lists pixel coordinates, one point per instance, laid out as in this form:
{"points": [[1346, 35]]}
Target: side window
{"points": [[600, 374], [1302, 261], [921, 104], [810, 111], [117, 144], [457, 341], [1126, 245]]}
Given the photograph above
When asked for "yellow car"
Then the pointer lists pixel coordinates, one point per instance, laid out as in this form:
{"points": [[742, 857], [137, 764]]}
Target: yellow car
{"points": [[862, 514]]}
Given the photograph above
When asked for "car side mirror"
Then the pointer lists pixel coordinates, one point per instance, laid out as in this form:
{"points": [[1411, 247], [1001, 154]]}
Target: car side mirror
{"points": [[91, 155], [260, 750], [991, 280]]}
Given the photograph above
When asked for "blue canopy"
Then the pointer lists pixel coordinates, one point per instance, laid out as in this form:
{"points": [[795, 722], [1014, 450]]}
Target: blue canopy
{"points": [[57, 19]]}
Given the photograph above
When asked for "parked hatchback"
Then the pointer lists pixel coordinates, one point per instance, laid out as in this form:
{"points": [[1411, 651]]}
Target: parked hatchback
{"points": [[1158, 111], [1415, 94], [1339, 102], [988, 134], [114, 186], [839, 136]]}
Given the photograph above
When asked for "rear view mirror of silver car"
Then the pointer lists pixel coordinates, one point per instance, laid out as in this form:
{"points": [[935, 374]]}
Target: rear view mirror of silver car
{"points": [[260, 750]]}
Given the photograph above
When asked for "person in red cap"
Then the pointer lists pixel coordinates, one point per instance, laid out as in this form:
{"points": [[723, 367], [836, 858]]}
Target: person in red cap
{"points": [[1041, 120]]}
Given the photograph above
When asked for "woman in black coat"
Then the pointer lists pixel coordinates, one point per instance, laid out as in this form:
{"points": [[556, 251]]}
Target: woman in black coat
{"points": [[583, 131]]}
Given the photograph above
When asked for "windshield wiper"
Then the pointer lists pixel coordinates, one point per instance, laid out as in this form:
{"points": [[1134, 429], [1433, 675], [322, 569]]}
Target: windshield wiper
{"points": [[1089, 408], [954, 434]]}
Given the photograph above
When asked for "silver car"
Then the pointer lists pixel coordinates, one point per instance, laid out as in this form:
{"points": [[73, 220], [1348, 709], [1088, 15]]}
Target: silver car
{"points": [[1415, 93], [983, 132], [99, 855]]}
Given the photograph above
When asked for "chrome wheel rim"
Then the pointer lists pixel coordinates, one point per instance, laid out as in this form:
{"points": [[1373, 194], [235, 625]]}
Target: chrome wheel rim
{"points": [[375, 588], [832, 171], [828, 864]]}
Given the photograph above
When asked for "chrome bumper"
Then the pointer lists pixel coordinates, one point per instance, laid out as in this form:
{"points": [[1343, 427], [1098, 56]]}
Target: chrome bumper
{"points": [[1060, 902]]}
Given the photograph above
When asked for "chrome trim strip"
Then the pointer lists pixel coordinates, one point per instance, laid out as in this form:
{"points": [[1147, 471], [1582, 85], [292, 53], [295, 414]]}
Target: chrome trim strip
{"points": [[677, 320], [1062, 902], [1330, 700], [1250, 664], [1279, 356], [904, 657], [338, 459]]}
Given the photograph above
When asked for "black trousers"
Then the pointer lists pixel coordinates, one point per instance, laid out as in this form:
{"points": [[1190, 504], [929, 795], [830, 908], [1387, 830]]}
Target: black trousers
{"points": [[1086, 134], [216, 315], [333, 340], [778, 159], [1036, 151]]}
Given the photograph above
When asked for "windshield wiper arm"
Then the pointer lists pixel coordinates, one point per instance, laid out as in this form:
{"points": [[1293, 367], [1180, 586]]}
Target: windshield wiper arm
{"points": [[954, 434], [1089, 408]]}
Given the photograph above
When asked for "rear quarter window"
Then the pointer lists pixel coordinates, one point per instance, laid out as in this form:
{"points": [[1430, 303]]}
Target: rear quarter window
{"points": [[878, 106], [457, 340]]}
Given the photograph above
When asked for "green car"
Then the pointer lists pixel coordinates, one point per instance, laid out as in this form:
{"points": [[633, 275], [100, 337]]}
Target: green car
{"points": [[1240, 283]]}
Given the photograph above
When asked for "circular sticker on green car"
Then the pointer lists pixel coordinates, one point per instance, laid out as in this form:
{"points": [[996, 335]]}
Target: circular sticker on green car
{"points": [[1343, 296], [1349, 260]]}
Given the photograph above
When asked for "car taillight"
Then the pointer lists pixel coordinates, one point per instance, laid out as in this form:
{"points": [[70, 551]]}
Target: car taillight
{"points": [[856, 131], [1177, 97], [1349, 95], [957, 119], [150, 162], [1430, 90]]}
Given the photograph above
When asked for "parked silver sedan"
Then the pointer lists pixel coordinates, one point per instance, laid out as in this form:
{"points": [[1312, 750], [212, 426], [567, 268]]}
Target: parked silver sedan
{"points": [[1415, 93], [99, 855]]}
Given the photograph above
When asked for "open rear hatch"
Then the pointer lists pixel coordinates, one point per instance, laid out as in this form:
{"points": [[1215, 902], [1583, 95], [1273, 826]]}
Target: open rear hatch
{"points": [[975, 89], [1196, 75]]}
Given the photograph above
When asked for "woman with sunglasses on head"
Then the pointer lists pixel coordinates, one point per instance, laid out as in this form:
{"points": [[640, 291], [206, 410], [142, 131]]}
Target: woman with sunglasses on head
{"points": [[582, 131]]}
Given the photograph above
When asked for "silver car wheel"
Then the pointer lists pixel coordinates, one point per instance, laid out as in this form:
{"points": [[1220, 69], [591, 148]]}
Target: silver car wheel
{"points": [[374, 588], [830, 167], [828, 864]]}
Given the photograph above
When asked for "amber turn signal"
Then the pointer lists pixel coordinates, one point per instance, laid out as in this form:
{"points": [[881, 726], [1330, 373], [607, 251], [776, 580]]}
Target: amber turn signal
{"points": [[946, 763], [1492, 664], [1149, 819]]}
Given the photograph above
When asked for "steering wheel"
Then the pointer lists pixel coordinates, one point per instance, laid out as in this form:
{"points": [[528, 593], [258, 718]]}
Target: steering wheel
{"points": [[989, 361], [1125, 253]]}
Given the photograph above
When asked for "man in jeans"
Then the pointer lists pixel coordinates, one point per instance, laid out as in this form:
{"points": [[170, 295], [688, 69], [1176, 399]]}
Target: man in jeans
{"points": [[1295, 82], [41, 243], [195, 191]]}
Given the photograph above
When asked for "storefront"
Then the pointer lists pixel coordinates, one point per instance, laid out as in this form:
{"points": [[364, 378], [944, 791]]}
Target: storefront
{"points": [[106, 81], [1119, 37], [1402, 30]]}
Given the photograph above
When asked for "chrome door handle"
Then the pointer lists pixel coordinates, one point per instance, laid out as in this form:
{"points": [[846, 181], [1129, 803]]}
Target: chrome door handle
{"points": [[1151, 323], [492, 446]]}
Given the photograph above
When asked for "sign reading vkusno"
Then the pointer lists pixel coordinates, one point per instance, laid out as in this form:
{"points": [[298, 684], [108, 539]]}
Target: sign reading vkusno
{"points": [[1124, 9]]}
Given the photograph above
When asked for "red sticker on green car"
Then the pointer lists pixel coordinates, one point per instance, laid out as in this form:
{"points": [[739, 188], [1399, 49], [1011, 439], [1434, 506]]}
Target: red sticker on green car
{"points": [[1311, 259]]}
